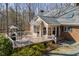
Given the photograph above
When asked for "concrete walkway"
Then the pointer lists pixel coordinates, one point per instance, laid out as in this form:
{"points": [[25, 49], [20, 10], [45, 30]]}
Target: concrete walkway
{"points": [[66, 50]]}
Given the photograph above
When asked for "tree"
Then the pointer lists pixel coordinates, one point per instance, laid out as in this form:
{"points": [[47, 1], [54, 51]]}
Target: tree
{"points": [[7, 16], [5, 46], [2, 22], [12, 16]]}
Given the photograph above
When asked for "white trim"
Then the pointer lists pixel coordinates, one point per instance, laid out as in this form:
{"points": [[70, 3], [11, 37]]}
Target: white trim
{"points": [[55, 31], [77, 24]]}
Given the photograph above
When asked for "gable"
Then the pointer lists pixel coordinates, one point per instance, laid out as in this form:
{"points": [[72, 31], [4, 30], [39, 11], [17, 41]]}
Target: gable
{"points": [[50, 20], [39, 21]]}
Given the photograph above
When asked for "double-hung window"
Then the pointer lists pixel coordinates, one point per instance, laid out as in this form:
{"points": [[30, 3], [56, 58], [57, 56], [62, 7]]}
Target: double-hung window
{"points": [[44, 31]]}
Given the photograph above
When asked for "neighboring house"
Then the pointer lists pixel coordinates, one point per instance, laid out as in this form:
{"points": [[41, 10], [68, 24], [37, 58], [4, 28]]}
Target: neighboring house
{"points": [[63, 27]]}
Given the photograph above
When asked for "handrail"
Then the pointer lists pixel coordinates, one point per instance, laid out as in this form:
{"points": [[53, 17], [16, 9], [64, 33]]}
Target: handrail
{"points": [[53, 38]]}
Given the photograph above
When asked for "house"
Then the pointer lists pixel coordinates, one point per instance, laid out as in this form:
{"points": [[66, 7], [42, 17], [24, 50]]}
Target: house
{"points": [[64, 27]]}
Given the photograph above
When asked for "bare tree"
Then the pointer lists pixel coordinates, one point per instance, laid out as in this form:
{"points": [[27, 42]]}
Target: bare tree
{"points": [[7, 17], [0, 18]]}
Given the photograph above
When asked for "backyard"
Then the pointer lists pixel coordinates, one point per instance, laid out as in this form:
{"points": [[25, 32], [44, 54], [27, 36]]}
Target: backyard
{"points": [[38, 49], [45, 49]]}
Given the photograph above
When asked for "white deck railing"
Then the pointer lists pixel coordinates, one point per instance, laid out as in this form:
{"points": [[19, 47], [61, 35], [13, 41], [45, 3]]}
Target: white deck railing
{"points": [[53, 38], [29, 40]]}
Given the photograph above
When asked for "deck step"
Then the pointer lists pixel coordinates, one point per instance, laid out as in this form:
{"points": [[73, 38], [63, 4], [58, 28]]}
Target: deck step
{"points": [[75, 36]]}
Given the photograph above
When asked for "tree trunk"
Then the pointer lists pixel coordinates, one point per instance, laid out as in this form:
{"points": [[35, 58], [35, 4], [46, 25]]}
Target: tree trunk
{"points": [[7, 16]]}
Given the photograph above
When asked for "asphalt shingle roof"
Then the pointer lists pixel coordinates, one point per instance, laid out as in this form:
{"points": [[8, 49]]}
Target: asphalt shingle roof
{"points": [[50, 20], [69, 18], [59, 10], [69, 21]]}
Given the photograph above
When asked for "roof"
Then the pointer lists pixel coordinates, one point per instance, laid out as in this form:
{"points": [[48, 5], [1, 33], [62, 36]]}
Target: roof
{"points": [[69, 11], [69, 21], [52, 12], [58, 10], [69, 17], [42, 13], [61, 21], [61, 11], [50, 20], [35, 18]]}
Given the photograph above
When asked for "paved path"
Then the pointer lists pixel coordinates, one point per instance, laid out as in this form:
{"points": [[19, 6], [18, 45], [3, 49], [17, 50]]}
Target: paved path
{"points": [[66, 50]]}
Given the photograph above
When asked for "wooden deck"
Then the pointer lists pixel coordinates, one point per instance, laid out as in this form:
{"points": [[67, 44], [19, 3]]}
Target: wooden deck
{"points": [[29, 40]]}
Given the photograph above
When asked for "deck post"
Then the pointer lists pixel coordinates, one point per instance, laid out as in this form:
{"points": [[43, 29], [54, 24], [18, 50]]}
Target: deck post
{"points": [[51, 30], [59, 31], [47, 31], [56, 31], [40, 30], [32, 28]]}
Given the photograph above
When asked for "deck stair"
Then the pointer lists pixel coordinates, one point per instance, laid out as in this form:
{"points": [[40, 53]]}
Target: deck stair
{"points": [[75, 36]]}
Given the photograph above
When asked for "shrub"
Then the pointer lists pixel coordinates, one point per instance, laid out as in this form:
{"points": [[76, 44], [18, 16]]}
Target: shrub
{"points": [[5, 46], [34, 50]]}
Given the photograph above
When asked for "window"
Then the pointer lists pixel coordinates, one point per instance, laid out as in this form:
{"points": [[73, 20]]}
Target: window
{"points": [[49, 31], [44, 31], [68, 29], [35, 29], [54, 31]]}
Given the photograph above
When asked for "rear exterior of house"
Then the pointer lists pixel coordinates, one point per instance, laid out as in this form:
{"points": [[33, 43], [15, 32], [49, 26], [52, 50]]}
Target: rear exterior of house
{"points": [[44, 28], [65, 27]]}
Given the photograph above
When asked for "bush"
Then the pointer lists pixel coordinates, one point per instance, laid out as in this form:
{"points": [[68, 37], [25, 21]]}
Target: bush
{"points": [[34, 50], [5, 46]]}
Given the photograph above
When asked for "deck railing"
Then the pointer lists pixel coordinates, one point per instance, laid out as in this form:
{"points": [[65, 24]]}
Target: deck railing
{"points": [[53, 37], [30, 40]]}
